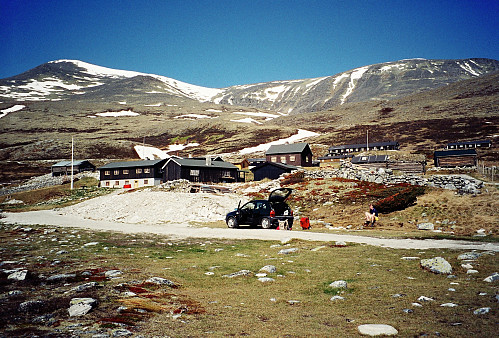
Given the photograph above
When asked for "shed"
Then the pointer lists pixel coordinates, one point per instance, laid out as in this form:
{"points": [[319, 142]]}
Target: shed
{"points": [[131, 174], [297, 154], [199, 170], [64, 167], [455, 158], [271, 170]]}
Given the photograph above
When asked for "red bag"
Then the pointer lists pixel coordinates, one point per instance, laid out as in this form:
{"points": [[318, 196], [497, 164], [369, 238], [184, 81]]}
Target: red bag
{"points": [[305, 223]]}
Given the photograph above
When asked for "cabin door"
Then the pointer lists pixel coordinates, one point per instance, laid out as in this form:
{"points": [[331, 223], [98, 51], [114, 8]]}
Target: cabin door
{"points": [[136, 184]]}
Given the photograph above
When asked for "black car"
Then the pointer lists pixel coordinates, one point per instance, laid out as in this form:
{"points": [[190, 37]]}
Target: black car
{"points": [[267, 213]]}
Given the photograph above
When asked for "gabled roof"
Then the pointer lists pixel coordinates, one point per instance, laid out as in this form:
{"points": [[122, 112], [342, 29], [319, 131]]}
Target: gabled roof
{"points": [[132, 164], [294, 148], [458, 152], [370, 159], [201, 163], [364, 145], [470, 142], [68, 163], [278, 165]]}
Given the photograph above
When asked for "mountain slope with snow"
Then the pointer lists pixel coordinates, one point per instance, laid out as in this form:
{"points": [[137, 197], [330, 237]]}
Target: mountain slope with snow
{"points": [[77, 80]]}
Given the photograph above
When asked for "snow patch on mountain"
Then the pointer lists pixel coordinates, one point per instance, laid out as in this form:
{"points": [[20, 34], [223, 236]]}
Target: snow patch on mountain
{"points": [[247, 120], [354, 77], [301, 135], [118, 113], [12, 109], [193, 116]]}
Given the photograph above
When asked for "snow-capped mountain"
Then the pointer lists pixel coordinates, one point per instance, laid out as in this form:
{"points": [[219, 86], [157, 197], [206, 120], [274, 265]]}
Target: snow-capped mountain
{"points": [[72, 79]]}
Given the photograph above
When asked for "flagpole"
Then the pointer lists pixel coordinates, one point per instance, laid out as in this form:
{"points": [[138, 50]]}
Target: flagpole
{"points": [[72, 150]]}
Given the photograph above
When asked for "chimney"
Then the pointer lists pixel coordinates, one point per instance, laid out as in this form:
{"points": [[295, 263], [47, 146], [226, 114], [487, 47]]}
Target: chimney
{"points": [[208, 160]]}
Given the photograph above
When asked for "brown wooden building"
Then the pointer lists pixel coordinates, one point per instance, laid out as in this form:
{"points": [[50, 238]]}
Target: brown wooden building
{"points": [[64, 167], [297, 154], [200, 170], [131, 174], [455, 158]]}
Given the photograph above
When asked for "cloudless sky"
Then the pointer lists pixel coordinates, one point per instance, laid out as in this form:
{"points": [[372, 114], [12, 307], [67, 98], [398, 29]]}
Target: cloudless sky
{"points": [[220, 43]]}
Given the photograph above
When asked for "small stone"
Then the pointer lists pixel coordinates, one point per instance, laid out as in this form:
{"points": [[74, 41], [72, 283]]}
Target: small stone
{"points": [[339, 284], [161, 281], [318, 248], [469, 255], [287, 251], [377, 330], [340, 244], [417, 305], [337, 298], [269, 269], [84, 287], [79, 310], [30, 305], [426, 226], [492, 278], [293, 302], [61, 252], [452, 289], [113, 273], [266, 279], [209, 273], [408, 310], [410, 258], [471, 271], [238, 274], [61, 276], [242, 255], [425, 299], [122, 333], [449, 305], [482, 311], [467, 266], [18, 275], [90, 244]]}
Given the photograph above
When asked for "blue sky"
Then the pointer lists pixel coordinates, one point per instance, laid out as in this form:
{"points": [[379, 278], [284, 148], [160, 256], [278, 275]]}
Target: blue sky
{"points": [[220, 43]]}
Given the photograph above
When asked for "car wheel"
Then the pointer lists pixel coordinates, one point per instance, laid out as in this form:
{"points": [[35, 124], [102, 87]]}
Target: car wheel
{"points": [[266, 223], [232, 222]]}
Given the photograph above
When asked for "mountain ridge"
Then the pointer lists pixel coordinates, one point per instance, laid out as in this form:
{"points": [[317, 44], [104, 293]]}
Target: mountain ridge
{"points": [[63, 79]]}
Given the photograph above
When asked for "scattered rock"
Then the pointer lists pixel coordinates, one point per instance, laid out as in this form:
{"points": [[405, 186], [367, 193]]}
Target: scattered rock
{"points": [[85, 287], [287, 251], [425, 299], [410, 258], [161, 281], [30, 305], [238, 274], [337, 298], [61, 276], [318, 248], [340, 244], [122, 333], [339, 284], [449, 305], [482, 311], [266, 279], [377, 330], [18, 275], [293, 302], [467, 266], [81, 306], [269, 269], [469, 256], [113, 273], [471, 271], [436, 265], [492, 278], [426, 226]]}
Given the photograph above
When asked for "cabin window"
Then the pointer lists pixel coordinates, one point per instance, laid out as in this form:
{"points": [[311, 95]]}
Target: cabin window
{"points": [[138, 171], [125, 172], [146, 181], [117, 183], [273, 159], [116, 172], [127, 182], [283, 159], [292, 158], [226, 173], [194, 172], [107, 172], [147, 170], [107, 183]]}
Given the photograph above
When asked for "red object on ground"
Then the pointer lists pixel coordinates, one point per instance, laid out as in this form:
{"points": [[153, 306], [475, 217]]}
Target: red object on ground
{"points": [[127, 186], [305, 223]]}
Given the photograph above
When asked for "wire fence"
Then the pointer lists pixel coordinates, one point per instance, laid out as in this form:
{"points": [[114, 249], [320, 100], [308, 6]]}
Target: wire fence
{"points": [[491, 173]]}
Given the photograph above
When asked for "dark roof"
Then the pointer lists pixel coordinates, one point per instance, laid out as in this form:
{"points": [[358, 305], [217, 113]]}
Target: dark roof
{"points": [[132, 164], [287, 148], [470, 142], [68, 163], [334, 157], [458, 152], [201, 163], [370, 159], [364, 145], [278, 165]]}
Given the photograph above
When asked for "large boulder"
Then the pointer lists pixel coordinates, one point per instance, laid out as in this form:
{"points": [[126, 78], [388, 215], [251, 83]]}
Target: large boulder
{"points": [[436, 265]]}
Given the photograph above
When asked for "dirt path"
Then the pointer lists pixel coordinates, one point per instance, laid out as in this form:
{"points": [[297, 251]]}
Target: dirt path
{"points": [[182, 230]]}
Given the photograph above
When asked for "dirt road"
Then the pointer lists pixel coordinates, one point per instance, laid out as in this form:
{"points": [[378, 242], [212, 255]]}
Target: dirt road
{"points": [[183, 230]]}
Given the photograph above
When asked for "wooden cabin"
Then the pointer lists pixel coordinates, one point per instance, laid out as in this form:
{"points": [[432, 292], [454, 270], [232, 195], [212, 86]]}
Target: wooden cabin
{"points": [[296, 154], [470, 144], [131, 174], [354, 148], [200, 170], [271, 170], [64, 167], [455, 158]]}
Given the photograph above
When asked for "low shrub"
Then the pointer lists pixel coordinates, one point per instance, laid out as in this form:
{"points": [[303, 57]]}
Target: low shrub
{"points": [[400, 200]]}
